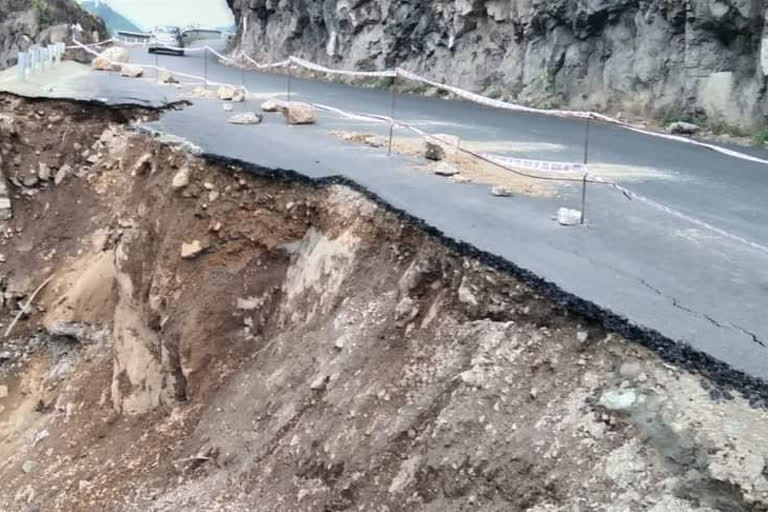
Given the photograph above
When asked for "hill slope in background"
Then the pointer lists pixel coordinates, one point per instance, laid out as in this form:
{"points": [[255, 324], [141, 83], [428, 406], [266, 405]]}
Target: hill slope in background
{"points": [[699, 60], [113, 19], [24, 23]]}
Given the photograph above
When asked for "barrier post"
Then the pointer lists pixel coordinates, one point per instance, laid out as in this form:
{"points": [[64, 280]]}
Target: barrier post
{"points": [[205, 66], [586, 162], [392, 111], [288, 85], [583, 198]]}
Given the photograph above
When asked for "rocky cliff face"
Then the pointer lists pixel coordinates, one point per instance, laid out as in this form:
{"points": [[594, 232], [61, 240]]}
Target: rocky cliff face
{"points": [[24, 23], [697, 59]]}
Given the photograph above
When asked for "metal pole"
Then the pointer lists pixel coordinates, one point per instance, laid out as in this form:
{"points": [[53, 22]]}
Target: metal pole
{"points": [[583, 198], [205, 66], [290, 75], [392, 112], [586, 142], [586, 162]]}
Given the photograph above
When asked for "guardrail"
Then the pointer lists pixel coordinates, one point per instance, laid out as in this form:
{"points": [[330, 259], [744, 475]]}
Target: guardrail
{"points": [[39, 58]]}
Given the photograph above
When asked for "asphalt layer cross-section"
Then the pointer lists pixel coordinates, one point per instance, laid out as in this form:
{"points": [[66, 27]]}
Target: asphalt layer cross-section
{"points": [[657, 270]]}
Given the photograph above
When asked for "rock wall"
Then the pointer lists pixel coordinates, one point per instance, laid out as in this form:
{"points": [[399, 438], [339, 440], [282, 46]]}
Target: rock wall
{"points": [[24, 23], [702, 60]]}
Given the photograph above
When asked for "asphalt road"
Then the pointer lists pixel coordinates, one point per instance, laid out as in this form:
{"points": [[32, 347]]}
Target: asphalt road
{"points": [[690, 284]]}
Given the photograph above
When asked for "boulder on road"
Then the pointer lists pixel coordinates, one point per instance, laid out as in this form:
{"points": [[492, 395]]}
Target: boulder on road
{"points": [[239, 95], [226, 92], [111, 59], [683, 128], [245, 118], [437, 147], [568, 217], [501, 191], [131, 70], [444, 169], [272, 106], [296, 112]]}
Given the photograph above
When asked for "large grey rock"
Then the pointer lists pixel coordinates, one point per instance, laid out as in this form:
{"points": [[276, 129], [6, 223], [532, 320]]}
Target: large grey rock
{"points": [[111, 59], [655, 58], [296, 112], [683, 128]]}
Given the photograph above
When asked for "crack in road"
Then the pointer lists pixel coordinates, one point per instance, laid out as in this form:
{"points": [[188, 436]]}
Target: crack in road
{"points": [[716, 323]]}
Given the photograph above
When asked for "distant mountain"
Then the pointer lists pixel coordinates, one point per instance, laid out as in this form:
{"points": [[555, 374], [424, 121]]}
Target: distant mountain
{"points": [[114, 20]]}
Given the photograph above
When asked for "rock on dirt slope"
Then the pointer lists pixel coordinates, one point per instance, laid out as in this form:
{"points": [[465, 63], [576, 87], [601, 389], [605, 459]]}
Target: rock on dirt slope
{"points": [[702, 60], [311, 351]]}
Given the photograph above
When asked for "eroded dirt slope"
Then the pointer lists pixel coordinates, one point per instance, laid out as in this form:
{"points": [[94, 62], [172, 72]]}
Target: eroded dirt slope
{"points": [[215, 340]]}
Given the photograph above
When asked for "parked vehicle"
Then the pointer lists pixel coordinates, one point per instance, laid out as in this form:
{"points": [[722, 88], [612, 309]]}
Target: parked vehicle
{"points": [[166, 39]]}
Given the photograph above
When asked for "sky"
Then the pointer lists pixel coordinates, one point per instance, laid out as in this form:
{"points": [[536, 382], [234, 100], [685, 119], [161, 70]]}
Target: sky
{"points": [[148, 13]]}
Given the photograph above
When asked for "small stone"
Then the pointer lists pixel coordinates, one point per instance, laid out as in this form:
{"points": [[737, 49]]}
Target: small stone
{"points": [[444, 169], [2, 260], [272, 106], [30, 180], [458, 178], [93, 159], [131, 70], [62, 174], [582, 336], [191, 250], [225, 92], [319, 383], [44, 172], [213, 195], [245, 118], [208, 185], [501, 191], [3, 391], [28, 466], [296, 112], [618, 400], [181, 179], [227, 107], [216, 227], [239, 95], [534, 393]]}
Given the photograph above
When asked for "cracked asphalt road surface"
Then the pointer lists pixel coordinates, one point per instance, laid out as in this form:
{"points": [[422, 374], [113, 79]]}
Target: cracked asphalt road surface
{"points": [[659, 271]]}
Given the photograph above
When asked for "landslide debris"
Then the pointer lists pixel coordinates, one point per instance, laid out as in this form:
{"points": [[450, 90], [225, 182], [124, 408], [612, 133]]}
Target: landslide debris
{"points": [[314, 351]]}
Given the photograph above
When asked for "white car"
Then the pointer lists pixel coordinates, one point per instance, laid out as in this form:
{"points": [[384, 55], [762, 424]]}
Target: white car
{"points": [[166, 39]]}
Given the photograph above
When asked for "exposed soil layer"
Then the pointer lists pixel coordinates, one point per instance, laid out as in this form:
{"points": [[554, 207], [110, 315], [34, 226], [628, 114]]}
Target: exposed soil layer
{"points": [[213, 339]]}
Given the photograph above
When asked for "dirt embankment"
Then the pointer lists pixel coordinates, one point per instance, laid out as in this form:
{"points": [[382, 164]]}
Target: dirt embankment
{"points": [[213, 340]]}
